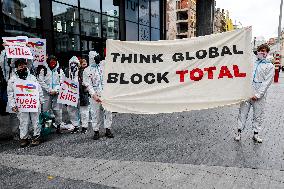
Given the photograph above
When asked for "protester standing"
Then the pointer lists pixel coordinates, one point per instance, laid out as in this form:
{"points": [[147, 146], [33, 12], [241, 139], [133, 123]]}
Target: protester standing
{"points": [[262, 78]]}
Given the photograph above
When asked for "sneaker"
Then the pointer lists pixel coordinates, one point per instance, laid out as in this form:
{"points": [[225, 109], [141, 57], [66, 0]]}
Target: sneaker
{"points": [[256, 138], [58, 131], [108, 134], [35, 141], [24, 143], [84, 130], [75, 130], [96, 135], [238, 136]]}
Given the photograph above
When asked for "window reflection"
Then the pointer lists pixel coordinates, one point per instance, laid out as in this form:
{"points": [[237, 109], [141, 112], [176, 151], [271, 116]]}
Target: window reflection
{"points": [[65, 18], [69, 2], [109, 8], [144, 33], [91, 4], [90, 23], [144, 17], [131, 10], [110, 27], [131, 31], [155, 14], [23, 13], [155, 34], [66, 42]]}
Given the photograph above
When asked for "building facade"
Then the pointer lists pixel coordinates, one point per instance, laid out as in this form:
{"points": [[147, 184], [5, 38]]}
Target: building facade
{"points": [[74, 27]]}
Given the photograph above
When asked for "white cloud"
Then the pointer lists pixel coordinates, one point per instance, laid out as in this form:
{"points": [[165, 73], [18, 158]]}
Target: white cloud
{"points": [[262, 15]]}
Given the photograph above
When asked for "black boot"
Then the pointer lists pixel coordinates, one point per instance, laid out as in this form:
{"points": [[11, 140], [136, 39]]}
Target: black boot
{"points": [[96, 135], [108, 133], [58, 129], [84, 130], [24, 143]]}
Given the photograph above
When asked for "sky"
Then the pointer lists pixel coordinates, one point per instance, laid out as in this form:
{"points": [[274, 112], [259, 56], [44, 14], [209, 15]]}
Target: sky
{"points": [[262, 15]]}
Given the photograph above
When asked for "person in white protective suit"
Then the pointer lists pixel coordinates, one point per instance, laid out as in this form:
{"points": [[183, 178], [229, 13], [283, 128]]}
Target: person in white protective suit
{"points": [[50, 77], [262, 78], [72, 72], [84, 98], [93, 80], [22, 73]]}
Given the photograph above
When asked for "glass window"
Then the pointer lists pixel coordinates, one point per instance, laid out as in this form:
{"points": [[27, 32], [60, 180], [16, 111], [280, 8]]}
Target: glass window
{"points": [[110, 27], [131, 10], [23, 13], [155, 34], [65, 18], [69, 2], [155, 14], [90, 23], [91, 4], [144, 33], [131, 31], [110, 9], [144, 11], [66, 42]]}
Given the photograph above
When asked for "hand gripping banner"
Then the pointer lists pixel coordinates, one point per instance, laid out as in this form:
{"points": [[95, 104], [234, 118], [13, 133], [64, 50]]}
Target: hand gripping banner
{"points": [[178, 75]]}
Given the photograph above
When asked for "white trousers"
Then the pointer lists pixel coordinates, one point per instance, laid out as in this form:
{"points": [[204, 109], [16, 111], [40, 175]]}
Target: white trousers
{"points": [[25, 118], [100, 117], [258, 113], [50, 104], [74, 115], [84, 113]]}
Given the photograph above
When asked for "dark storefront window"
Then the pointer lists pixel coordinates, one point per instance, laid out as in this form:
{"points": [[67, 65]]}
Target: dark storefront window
{"points": [[91, 5], [90, 23], [109, 8], [110, 27], [21, 17], [66, 42]]}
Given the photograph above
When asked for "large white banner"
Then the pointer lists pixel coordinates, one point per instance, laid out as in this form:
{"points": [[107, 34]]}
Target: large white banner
{"points": [[16, 47], [38, 48], [178, 75], [69, 92], [27, 95]]}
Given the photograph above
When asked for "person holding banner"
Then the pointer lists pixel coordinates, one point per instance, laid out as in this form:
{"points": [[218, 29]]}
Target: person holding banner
{"points": [[50, 77], [262, 78], [93, 80], [72, 72], [25, 97]]}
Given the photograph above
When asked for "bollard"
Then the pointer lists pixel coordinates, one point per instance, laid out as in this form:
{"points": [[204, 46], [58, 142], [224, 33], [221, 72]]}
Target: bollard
{"points": [[277, 67]]}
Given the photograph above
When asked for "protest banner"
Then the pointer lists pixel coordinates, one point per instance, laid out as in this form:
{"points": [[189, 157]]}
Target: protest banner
{"points": [[178, 75], [27, 95], [38, 49], [68, 92], [16, 47]]}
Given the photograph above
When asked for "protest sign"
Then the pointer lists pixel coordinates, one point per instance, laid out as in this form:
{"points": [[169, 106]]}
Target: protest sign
{"points": [[38, 49], [178, 75], [68, 92], [16, 47], [27, 95]]}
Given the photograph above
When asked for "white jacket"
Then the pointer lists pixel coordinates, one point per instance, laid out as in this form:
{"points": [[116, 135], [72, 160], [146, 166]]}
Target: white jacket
{"points": [[262, 77], [10, 89], [52, 80], [93, 77]]}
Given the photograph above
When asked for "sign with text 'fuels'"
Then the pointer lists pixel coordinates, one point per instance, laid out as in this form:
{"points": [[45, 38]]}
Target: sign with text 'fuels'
{"points": [[178, 75]]}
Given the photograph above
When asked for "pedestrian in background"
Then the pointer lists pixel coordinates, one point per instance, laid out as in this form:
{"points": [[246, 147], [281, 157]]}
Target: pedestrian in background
{"points": [[262, 78], [93, 80], [22, 73]]}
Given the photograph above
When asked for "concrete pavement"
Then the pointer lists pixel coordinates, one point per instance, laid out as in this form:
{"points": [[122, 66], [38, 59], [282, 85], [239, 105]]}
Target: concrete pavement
{"points": [[181, 150]]}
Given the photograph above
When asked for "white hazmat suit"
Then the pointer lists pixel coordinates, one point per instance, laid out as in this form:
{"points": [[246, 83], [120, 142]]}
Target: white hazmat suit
{"points": [[93, 80]]}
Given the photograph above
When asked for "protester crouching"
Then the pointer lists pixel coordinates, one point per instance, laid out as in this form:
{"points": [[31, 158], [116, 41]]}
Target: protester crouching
{"points": [[93, 80], [22, 73], [84, 98], [72, 72], [50, 77]]}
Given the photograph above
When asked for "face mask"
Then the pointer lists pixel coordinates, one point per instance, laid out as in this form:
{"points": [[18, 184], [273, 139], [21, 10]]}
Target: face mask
{"points": [[23, 73], [52, 64], [97, 59], [261, 55]]}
